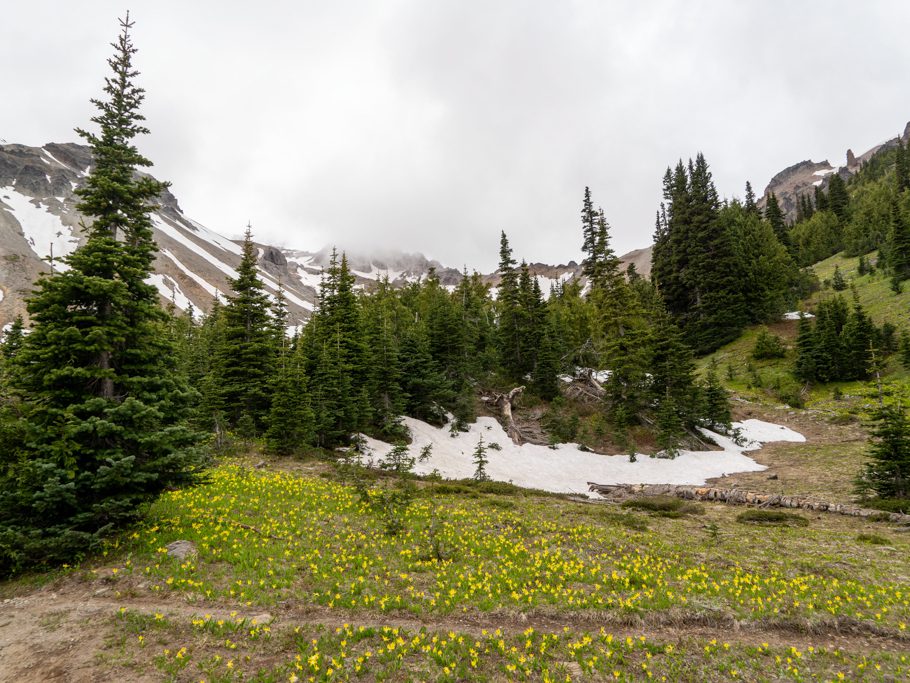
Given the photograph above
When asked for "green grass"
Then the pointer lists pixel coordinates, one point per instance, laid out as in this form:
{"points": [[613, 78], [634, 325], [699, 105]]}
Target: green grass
{"points": [[269, 538], [771, 517], [771, 381], [357, 651], [426, 604]]}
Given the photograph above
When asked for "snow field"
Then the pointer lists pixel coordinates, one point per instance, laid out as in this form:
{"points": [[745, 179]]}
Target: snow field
{"points": [[40, 227], [567, 469]]}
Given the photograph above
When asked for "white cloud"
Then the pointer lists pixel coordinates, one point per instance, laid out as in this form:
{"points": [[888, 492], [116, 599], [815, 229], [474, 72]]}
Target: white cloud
{"points": [[432, 126]]}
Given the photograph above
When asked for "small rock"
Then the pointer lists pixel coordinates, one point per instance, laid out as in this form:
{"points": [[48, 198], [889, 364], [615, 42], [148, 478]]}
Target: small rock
{"points": [[102, 591], [574, 669], [264, 618], [773, 477], [181, 549]]}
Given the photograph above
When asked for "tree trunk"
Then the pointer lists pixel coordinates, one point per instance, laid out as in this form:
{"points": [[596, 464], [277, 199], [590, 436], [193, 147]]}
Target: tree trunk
{"points": [[504, 403]]}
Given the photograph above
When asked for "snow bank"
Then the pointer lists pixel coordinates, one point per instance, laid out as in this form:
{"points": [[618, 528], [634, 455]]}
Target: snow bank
{"points": [[758, 432], [566, 469], [40, 227], [796, 315], [170, 290]]}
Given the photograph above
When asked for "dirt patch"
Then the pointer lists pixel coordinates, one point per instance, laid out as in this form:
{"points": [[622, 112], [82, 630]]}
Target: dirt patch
{"points": [[64, 632]]}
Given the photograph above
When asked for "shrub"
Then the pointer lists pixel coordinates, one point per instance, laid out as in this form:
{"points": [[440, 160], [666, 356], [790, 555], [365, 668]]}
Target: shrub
{"points": [[767, 346], [771, 518], [664, 506], [873, 539]]}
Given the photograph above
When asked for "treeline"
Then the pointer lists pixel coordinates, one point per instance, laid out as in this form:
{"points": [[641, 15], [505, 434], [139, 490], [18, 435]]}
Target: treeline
{"points": [[720, 266], [365, 358]]}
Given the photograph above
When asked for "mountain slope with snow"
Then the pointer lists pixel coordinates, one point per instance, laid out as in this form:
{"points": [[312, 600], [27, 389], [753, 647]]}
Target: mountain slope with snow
{"points": [[39, 224]]}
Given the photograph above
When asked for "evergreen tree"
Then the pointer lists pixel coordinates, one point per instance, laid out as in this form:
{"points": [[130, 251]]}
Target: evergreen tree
{"points": [[13, 339], [821, 199], [544, 379], [716, 409], [246, 353], [424, 384], [589, 235], [480, 461], [899, 244], [338, 362], [838, 283], [902, 166], [750, 205], [290, 420], [838, 199], [512, 353], [888, 473], [806, 350], [103, 410], [694, 260], [775, 217], [669, 428]]}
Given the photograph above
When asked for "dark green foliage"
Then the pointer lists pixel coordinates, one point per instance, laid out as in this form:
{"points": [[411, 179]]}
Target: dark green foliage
{"points": [[888, 472], [338, 359], [838, 346], [544, 378], [817, 238], [13, 339], [768, 346], [838, 199], [98, 405], [873, 539], [664, 506], [716, 409], [246, 350], [771, 518], [695, 262], [775, 218], [480, 461], [898, 248], [838, 282], [767, 275], [669, 428], [902, 166], [290, 420], [561, 422], [905, 349], [749, 204]]}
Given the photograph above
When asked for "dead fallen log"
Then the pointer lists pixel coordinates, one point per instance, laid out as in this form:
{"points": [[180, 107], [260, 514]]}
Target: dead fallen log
{"points": [[737, 496], [504, 403]]}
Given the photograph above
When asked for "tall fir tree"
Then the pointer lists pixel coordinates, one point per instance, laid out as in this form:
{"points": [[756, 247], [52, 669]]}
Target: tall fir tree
{"points": [[102, 407], [838, 198], [775, 217], [888, 471], [509, 314], [902, 166], [246, 353], [898, 248], [749, 204]]}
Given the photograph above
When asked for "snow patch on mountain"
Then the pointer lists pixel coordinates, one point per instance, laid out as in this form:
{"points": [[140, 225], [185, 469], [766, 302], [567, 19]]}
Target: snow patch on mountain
{"points": [[175, 234], [214, 238], [40, 228], [208, 287], [171, 291]]}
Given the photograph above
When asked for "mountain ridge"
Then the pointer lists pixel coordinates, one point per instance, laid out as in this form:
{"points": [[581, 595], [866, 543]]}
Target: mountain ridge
{"points": [[39, 224]]}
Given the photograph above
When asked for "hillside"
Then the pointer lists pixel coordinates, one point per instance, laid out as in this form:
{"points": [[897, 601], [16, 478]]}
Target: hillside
{"points": [[38, 216]]}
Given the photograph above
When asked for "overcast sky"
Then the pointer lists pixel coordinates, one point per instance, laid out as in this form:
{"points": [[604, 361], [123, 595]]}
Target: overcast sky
{"points": [[431, 125]]}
